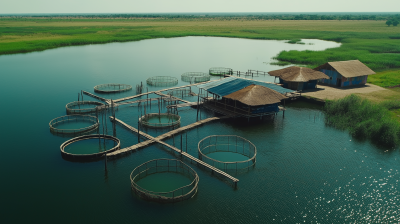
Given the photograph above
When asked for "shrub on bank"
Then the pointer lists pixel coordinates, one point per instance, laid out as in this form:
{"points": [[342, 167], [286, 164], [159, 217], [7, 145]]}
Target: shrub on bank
{"points": [[364, 118]]}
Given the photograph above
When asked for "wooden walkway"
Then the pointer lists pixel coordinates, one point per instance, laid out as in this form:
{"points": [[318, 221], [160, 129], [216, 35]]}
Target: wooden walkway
{"points": [[139, 101], [178, 87], [171, 97], [97, 97], [183, 105], [169, 134]]}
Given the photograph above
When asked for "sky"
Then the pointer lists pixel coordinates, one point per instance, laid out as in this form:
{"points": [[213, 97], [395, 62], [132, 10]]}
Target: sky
{"points": [[170, 6]]}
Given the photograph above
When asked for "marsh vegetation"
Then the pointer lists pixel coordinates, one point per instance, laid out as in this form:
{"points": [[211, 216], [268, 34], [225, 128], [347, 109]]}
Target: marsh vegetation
{"points": [[365, 119]]}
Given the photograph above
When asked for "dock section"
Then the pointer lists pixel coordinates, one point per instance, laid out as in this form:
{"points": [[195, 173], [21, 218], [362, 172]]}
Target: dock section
{"points": [[159, 139]]}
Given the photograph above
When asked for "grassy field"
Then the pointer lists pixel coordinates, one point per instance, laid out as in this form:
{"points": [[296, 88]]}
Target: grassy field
{"points": [[372, 42], [389, 78]]}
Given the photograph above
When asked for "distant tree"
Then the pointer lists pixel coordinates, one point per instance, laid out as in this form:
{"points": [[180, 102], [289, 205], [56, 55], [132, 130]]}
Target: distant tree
{"points": [[389, 22], [395, 23]]}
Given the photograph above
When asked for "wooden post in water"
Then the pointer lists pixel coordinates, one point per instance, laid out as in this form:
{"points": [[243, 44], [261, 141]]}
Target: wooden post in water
{"points": [[105, 160], [138, 128], [198, 99]]}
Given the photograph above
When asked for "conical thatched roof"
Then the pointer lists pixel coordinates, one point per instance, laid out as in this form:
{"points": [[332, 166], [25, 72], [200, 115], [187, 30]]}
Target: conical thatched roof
{"points": [[298, 74], [255, 95], [348, 69]]}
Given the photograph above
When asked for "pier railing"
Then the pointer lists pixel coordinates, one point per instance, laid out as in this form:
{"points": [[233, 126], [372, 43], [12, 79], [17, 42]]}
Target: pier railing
{"points": [[227, 143], [174, 118], [116, 88], [162, 166], [195, 77], [74, 107], [162, 81], [73, 118]]}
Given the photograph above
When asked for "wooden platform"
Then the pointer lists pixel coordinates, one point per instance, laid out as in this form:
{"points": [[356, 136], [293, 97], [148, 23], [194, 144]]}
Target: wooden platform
{"points": [[183, 105], [178, 87], [171, 97], [97, 97], [170, 134]]}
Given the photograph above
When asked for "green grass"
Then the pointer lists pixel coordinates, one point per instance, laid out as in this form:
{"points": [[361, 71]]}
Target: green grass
{"points": [[377, 54], [372, 42], [386, 78], [365, 119], [280, 63]]}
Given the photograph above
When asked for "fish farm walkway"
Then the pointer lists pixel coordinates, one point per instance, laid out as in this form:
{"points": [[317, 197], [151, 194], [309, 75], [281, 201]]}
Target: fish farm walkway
{"points": [[189, 104], [170, 134], [159, 91], [97, 97]]}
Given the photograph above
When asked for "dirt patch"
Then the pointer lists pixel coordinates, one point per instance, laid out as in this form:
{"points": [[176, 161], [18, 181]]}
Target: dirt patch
{"points": [[330, 93]]}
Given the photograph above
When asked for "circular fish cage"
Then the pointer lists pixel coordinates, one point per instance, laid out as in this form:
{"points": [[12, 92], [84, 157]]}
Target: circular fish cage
{"points": [[242, 153], [112, 88], [163, 166], [162, 120], [91, 155], [69, 120], [218, 71], [162, 81], [82, 107], [195, 77]]}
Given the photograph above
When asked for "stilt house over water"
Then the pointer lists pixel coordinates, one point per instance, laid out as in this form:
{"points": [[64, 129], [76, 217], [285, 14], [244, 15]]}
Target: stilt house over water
{"points": [[238, 97], [298, 78], [345, 73]]}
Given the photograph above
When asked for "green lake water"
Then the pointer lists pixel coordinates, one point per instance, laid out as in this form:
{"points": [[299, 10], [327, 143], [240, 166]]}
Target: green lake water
{"points": [[161, 119], [83, 106], [305, 172], [90, 146], [74, 125], [227, 156], [164, 182]]}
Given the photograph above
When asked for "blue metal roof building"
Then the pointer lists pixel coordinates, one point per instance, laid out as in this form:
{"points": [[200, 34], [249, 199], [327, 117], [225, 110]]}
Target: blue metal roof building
{"points": [[235, 108], [231, 84]]}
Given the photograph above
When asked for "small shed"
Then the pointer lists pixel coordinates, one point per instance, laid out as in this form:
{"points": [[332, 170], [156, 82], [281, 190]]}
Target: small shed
{"points": [[298, 78], [345, 73]]}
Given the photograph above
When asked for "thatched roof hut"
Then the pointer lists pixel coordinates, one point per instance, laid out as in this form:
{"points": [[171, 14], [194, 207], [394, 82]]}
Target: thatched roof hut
{"points": [[298, 74], [256, 95], [348, 69], [345, 73]]}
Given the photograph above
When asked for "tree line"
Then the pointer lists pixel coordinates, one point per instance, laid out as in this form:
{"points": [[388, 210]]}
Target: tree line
{"points": [[391, 18]]}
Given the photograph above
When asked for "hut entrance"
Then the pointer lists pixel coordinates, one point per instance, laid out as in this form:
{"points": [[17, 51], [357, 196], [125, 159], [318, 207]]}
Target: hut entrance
{"points": [[339, 82]]}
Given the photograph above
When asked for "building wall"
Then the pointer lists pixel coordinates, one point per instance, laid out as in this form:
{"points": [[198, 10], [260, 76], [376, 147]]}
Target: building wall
{"points": [[333, 75], [265, 108], [345, 81], [299, 85]]}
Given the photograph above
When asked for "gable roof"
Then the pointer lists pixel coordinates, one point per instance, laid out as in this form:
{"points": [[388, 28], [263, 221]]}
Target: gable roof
{"points": [[348, 69], [256, 95], [298, 74]]}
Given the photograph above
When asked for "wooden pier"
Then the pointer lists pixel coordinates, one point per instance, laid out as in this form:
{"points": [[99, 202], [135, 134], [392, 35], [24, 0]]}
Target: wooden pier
{"points": [[97, 97], [173, 98], [143, 94], [167, 135], [189, 104]]}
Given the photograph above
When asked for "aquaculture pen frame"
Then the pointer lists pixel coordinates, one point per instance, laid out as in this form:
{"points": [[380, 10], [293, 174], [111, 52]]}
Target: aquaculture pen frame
{"points": [[160, 166]]}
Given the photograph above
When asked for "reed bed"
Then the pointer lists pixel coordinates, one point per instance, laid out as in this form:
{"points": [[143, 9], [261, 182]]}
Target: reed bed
{"points": [[365, 119]]}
